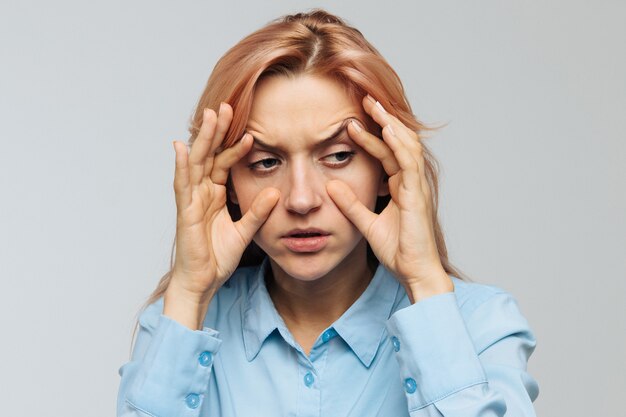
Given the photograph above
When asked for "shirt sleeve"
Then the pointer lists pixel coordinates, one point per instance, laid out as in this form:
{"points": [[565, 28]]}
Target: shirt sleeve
{"points": [[168, 374], [464, 367]]}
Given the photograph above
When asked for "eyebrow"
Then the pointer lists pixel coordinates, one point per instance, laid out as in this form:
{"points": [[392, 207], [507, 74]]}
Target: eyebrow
{"points": [[334, 137]]}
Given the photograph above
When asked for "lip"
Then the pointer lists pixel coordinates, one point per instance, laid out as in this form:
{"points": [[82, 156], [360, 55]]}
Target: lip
{"points": [[305, 244], [307, 230]]}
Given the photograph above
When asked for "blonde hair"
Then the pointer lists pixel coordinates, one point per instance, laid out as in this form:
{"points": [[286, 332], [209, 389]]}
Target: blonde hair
{"points": [[313, 43]]}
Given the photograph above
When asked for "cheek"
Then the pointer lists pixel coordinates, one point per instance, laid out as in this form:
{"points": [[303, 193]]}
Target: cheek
{"points": [[245, 187], [363, 178]]}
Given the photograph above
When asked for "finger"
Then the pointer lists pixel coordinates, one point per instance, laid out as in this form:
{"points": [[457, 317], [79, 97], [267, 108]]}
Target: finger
{"points": [[260, 209], [413, 147], [376, 110], [201, 147], [182, 190], [224, 118], [422, 171], [409, 138], [350, 206], [224, 161], [413, 144], [374, 146], [408, 164], [406, 142]]}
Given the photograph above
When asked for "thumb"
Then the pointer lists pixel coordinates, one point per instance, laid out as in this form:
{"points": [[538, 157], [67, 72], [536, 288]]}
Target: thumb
{"points": [[260, 209], [350, 206]]}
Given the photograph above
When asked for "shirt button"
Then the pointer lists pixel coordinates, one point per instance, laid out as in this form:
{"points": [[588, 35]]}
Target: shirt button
{"points": [[410, 385], [327, 335], [192, 400], [396, 343], [308, 379], [205, 358]]}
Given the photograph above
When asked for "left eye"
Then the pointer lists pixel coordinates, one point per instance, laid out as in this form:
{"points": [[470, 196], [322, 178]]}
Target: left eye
{"points": [[339, 157]]}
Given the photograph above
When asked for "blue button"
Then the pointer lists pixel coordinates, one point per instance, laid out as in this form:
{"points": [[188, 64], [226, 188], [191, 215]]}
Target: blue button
{"points": [[308, 379], [410, 385], [328, 334], [205, 358], [192, 400], [396, 343]]}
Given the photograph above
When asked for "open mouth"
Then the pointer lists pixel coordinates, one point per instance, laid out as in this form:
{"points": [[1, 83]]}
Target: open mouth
{"points": [[306, 240], [307, 234]]}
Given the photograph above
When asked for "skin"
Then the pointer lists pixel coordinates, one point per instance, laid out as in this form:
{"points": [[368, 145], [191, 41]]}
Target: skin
{"points": [[309, 290], [302, 185]]}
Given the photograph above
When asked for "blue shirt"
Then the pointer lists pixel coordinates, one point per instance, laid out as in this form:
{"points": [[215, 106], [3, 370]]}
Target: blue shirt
{"points": [[462, 353]]}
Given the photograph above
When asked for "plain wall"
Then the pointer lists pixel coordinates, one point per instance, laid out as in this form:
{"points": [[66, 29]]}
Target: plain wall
{"points": [[532, 184]]}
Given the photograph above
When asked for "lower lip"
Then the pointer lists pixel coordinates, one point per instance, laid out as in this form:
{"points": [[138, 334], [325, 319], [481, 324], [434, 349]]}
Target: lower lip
{"points": [[305, 244]]}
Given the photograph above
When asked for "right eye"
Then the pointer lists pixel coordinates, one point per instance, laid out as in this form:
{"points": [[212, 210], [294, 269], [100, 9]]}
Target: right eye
{"points": [[264, 165]]}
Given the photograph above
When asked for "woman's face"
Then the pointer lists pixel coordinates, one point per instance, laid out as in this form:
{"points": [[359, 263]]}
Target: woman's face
{"points": [[291, 121]]}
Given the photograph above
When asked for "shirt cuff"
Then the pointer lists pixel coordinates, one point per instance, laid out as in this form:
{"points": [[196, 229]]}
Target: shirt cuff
{"points": [[434, 350], [174, 373]]}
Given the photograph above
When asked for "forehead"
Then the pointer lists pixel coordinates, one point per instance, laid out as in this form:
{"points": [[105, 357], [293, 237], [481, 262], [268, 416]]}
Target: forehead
{"points": [[306, 107]]}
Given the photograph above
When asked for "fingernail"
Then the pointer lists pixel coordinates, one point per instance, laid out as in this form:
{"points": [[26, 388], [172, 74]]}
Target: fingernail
{"points": [[356, 126], [204, 112], [370, 98], [380, 106], [221, 107], [390, 130]]}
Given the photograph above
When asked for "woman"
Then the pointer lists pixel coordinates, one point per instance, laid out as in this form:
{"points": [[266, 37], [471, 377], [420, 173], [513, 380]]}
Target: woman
{"points": [[332, 294]]}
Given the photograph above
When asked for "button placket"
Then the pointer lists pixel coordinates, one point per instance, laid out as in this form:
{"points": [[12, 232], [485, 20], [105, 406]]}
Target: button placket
{"points": [[396, 343], [309, 379], [205, 358], [192, 401], [410, 385]]}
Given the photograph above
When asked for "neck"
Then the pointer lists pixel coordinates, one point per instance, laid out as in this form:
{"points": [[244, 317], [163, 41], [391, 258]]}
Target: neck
{"points": [[317, 304]]}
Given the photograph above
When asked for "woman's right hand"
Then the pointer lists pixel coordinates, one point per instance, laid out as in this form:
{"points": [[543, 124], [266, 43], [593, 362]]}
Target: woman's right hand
{"points": [[209, 244]]}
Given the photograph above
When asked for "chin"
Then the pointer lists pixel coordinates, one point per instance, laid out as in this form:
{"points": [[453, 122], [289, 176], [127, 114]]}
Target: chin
{"points": [[306, 267]]}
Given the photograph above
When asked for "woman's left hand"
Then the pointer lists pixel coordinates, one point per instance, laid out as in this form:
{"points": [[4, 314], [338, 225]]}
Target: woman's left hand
{"points": [[402, 235]]}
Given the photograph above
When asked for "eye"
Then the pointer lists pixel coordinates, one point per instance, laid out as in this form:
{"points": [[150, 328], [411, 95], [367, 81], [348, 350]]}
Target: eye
{"points": [[264, 165], [339, 158]]}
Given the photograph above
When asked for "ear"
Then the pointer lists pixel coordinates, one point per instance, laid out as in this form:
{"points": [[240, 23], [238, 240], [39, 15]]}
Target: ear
{"points": [[383, 186]]}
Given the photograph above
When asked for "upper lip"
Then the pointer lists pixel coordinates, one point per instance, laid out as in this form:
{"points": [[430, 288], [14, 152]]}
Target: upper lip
{"points": [[307, 230]]}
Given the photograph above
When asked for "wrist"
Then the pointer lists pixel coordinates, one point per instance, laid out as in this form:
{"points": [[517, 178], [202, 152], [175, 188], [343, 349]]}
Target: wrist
{"points": [[189, 309], [439, 283]]}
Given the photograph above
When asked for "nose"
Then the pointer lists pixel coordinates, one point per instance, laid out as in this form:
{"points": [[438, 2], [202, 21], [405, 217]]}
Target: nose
{"points": [[303, 190]]}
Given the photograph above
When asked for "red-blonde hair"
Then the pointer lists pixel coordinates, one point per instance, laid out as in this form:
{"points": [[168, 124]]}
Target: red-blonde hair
{"points": [[313, 43]]}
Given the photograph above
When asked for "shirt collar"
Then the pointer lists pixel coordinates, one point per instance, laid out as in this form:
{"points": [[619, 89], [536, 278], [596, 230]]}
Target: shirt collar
{"points": [[260, 317], [362, 326]]}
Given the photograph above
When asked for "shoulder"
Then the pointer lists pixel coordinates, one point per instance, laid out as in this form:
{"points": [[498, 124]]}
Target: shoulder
{"points": [[491, 313]]}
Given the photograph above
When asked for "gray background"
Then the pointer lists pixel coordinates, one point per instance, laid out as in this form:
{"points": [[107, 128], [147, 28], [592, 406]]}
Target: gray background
{"points": [[93, 93]]}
